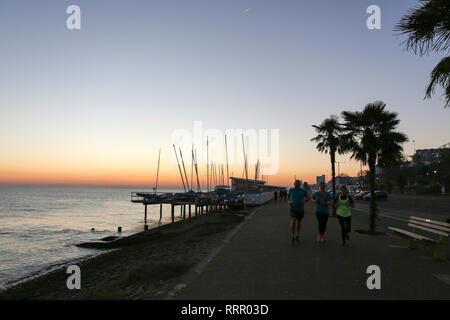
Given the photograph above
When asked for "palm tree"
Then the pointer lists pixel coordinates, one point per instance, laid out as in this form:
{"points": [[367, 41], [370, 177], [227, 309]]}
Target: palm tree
{"points": [[328, 140], [371, 138], [428, 29]]}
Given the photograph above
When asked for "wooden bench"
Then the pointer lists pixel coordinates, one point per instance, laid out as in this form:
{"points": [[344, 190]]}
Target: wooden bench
{"points": [[441, 229]]}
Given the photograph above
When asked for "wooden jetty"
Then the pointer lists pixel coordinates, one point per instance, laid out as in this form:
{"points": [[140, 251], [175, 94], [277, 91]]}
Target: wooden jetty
{"points": [[190, 203], [221, 198]]}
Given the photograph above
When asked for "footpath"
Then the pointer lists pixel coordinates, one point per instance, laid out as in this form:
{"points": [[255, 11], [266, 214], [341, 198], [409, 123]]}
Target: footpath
{"points": [[259, 262]]}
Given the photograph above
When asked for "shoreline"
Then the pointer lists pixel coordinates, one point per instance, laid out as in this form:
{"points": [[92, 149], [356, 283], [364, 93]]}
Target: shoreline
{"points": [[44, 270], [144, 265]]}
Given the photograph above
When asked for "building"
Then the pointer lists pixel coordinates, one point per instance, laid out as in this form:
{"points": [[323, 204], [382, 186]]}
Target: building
{"points": [[351, 183], [239, 184], [427, 156], [320, 179], [348, 181]]}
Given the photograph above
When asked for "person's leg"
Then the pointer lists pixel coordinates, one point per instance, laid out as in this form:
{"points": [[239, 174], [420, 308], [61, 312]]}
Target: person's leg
{"points": [[343, 229], [299, 223], [321, 218], [319, 222], [324, 225], [348, 227], [292, 227]]}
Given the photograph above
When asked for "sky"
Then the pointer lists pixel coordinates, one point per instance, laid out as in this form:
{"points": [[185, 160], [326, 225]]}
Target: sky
{"points": [[95, 105]]}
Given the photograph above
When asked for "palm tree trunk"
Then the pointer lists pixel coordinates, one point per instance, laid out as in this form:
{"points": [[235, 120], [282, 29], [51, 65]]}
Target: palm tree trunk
{"points": [[333, 178], [373, 205]]}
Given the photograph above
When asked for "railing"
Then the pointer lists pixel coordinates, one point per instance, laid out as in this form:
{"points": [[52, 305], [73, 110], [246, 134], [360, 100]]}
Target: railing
{"points": [[139, 196], [136, 198]]}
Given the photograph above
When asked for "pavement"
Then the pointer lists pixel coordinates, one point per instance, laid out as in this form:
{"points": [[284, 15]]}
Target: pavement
{"points": [[403, 206], [259, 262]]}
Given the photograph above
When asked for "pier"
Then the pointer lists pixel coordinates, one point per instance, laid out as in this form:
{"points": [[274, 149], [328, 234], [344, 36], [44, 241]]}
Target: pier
{"points": [[188, 204]]}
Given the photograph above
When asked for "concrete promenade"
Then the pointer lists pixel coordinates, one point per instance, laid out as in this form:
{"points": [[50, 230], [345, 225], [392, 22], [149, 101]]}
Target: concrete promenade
{"points": [[259, 262]]}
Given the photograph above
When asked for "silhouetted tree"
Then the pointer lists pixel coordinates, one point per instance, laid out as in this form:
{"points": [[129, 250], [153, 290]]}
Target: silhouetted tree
{"points": [[428, 29], [371, 138], [328, 140]]}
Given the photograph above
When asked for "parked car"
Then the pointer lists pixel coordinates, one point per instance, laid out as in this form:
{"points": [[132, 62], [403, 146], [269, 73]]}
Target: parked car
{"points": [[360, 195], [379, 195]]}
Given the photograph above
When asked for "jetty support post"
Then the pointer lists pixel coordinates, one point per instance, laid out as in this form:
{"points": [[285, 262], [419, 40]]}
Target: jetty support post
{"points": [[145, 214], [172, 209]]}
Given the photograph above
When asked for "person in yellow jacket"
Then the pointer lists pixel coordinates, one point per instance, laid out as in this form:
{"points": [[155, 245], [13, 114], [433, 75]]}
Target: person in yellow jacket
{"points": [[343, 204]]}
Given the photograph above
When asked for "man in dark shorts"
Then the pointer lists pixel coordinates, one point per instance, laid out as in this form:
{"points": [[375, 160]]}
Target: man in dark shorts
{"points": [[296, 198]]}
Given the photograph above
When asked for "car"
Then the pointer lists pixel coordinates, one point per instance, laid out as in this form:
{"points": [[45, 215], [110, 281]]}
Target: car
{"points": [[379, 195], [360, 195]]}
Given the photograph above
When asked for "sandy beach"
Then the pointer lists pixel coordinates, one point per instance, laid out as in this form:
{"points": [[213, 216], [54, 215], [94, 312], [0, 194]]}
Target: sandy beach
{"points": [[146, 265]]}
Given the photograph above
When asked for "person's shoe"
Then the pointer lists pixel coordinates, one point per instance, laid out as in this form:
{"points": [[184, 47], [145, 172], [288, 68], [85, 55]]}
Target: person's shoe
{"points": [[297, 239]]}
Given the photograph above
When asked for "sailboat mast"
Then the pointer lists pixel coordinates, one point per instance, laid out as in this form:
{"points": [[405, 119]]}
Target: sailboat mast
{"points": [[196, 170], [157, 172], [192, 167], [223, 176], [207, 164], [179, 168], [245, 158], [226, 154], [213, 173], [184, 169]]}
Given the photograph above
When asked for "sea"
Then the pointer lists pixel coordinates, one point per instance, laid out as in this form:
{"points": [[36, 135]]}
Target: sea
{"points": [[40, 225]]}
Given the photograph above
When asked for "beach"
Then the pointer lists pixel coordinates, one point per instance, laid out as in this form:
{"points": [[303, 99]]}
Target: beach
{"points": [[146, 265], [40, 225]]}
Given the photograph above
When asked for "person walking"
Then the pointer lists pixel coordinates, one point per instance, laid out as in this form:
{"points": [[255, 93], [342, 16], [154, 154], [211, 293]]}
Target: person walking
{"points": [[296, 198], [306, 187], [323, 200], [343, 203], [275, 195]]}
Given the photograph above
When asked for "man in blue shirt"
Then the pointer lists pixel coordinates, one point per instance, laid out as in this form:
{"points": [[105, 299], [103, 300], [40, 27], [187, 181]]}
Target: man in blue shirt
{"points": [[322, 200], [296, 198]]}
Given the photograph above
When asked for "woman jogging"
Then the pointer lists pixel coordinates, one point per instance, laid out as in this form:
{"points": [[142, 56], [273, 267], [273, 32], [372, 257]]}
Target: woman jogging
{"points": [[343, 203], [322, 200]]}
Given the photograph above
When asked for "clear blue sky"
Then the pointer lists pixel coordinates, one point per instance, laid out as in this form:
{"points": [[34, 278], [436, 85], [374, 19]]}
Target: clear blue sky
{"points": [[137, 70]]}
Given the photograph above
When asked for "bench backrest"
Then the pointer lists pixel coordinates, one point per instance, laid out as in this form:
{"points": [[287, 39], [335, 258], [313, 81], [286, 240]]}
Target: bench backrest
{"points": [[428, 225]]}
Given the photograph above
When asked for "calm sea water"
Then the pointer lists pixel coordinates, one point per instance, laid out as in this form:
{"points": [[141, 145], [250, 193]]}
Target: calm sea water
{"points": [[40, 225]]}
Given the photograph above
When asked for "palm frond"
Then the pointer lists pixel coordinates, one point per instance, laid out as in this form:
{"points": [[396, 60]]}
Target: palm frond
{"points": [[371, 134], [440, 75], [427, 27]]}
